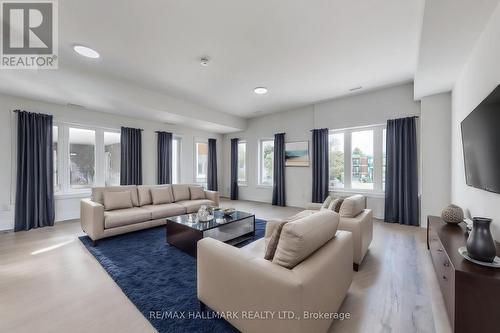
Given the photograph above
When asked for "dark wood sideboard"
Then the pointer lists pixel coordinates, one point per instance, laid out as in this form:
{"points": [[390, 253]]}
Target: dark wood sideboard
{"points": [[471, 292]]}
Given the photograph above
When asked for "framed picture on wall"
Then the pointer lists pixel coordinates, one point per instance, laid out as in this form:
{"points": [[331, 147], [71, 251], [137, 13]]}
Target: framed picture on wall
{"points": [[297, 154]]}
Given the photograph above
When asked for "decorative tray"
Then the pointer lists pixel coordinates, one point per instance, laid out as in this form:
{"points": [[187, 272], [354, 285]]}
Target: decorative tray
{"points": [[463, 252]]}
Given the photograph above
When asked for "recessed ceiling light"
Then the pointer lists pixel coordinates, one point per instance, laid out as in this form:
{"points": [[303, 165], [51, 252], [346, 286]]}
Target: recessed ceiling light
{"points": [[86, 51], [355, 88], [260, 90]]}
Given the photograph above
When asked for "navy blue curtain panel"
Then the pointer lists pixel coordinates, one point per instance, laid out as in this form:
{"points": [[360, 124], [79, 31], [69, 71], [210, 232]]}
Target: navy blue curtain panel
{"points": [[320, 164], [164, 158], [35, 166], [212, 165], [279, 170], [401, 179], [234, 169], [131, 156]]}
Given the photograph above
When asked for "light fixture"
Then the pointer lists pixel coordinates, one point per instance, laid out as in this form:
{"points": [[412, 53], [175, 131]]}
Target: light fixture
{"points": [[260, 90], [204, 61], [86, 51]]}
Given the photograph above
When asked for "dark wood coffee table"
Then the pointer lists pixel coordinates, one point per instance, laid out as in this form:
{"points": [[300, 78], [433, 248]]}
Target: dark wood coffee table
{"points": [[184, 231]]}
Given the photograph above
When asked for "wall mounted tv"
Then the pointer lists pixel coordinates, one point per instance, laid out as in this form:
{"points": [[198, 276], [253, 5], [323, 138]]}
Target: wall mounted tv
{"points": [[481, 144]]}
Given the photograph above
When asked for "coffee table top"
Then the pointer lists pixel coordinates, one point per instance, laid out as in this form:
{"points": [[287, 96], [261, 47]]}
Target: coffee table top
{"points": [[191, 220]]}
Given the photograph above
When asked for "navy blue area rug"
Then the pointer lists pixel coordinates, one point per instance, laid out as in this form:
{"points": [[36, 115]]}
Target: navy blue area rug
{"points": [[159, 279]]}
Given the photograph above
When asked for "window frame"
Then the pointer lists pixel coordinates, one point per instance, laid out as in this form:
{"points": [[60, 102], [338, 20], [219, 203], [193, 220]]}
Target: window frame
{"points": [[63, 158], [243, 182], [378, 186], [261, 165]]}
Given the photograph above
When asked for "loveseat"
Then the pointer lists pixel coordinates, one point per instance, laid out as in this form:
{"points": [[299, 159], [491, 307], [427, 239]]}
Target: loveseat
{"points": [[116, 210], [309, 276]]}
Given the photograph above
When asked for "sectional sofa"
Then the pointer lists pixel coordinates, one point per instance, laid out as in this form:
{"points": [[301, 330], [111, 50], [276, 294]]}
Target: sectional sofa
{"points": [[116, 210]]}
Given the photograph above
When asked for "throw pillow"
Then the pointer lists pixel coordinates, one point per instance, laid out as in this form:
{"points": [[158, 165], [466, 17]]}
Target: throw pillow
{"points": [[117, 200], [197, 192], [273, 241], [338, 204], [327, 202], [161, 195], [333, 204]]}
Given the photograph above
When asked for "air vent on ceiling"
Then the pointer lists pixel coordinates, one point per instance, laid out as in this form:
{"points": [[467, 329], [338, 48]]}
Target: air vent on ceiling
{"points": [[355, 88]]}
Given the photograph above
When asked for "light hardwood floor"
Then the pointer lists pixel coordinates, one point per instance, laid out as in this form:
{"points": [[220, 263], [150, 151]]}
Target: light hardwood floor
{"points": [[49, 282]]}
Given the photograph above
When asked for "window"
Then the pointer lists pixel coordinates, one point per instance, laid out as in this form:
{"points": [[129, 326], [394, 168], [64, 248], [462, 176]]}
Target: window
{"points": [[336, 159], [362, 160], [55, 139], [81, 157], [357, 158], [176, 158], [112, 158], [266, 162], [201, 161], [84, 157], [242, 158]]}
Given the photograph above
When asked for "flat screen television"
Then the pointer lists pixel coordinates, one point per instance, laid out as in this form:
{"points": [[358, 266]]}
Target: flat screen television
{"points": [[481, 144]]}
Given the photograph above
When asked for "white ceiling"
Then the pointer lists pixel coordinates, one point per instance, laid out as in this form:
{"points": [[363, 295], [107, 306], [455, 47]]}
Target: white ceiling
{"points": [[304, 51], [450, 31]]}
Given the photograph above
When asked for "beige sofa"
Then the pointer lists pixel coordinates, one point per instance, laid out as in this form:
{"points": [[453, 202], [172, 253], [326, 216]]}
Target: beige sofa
{"points": [[116, 210], [354, 217], [241, 281]]}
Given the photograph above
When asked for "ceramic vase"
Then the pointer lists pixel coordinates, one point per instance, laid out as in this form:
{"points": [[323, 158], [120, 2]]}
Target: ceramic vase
{"points": [[480, 244]]}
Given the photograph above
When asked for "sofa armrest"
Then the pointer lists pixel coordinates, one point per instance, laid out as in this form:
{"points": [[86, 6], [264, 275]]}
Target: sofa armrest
{"points": [[361, 227], [92, 218], [313, 206], [231, 279], [214, 196]]}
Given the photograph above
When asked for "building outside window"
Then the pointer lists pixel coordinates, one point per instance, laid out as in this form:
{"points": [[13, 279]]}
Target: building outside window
{"points": [[266, 162], [362, 160]]}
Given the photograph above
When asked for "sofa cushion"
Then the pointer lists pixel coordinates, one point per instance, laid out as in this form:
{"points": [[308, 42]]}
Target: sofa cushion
{"points": [[300, 238], [192, 206], [117, 200], [272, 245], [144, 193], [197, 192], [97, 193], [121, 217], [352, 206], [181, 192], [161, 195], [165, 210]]}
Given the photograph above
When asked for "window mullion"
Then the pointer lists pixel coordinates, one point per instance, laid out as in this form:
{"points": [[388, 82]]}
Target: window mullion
{"points": [[347, 160]]}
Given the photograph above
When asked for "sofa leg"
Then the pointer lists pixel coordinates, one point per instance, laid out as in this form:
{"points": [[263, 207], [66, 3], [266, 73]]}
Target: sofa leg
{"points": [[355, 267], [203, 307], [94, 242]]}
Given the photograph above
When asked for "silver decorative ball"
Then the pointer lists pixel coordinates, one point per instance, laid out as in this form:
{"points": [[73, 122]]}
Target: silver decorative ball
{"points": [[452, 214]]}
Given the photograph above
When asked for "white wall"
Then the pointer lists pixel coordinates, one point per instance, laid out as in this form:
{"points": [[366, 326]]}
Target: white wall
{"points": [[435, 125], [68, 207], [479, 77], [369, 108]]}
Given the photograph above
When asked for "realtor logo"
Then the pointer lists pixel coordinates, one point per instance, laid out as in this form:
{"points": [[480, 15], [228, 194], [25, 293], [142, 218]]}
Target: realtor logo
{"points": [[29, 35]]}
